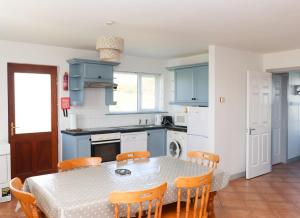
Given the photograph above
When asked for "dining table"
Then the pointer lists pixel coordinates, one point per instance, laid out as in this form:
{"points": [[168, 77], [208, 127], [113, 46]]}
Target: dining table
{"points": [[84, 192]]}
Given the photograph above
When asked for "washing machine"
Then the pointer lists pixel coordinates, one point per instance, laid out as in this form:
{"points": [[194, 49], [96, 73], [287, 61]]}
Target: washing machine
{"points": [[177, 144]]}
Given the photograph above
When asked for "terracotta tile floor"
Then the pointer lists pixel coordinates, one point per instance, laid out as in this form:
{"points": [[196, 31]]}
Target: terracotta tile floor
{"points": [[276, 194]]}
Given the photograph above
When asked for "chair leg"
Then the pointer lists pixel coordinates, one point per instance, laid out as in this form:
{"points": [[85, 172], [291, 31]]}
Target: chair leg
{"points": [[210, 206]]}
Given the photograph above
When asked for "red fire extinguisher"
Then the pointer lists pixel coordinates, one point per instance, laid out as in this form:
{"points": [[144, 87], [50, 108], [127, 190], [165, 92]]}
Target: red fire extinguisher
{"points": [[66, 82]]}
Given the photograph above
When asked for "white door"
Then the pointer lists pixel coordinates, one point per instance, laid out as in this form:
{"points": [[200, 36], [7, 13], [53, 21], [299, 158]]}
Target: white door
{"points": [[197, 143], [197, 121], [135, 141], [259, 90], [276, 119]]}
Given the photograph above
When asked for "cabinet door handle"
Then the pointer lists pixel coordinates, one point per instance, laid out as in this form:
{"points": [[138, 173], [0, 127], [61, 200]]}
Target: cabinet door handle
{"points": [[99, 77]]}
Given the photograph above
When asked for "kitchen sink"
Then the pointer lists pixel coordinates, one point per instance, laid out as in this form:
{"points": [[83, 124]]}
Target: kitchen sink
{"points": [[137, 126]]}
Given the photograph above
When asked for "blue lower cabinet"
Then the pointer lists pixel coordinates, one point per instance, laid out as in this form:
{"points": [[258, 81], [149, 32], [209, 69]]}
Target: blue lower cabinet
{"points": [[156, 142], [75, 146]]}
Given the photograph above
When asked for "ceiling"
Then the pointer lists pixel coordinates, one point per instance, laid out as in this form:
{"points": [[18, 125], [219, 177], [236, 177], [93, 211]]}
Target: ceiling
{"points": [[155, 28]]}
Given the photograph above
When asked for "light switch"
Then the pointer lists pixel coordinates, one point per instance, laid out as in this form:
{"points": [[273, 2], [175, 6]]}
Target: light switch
{"points": [[222, 100]]}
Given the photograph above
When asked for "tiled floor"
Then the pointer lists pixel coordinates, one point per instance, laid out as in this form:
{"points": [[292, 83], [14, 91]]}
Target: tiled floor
{"points": [[276, 194]]}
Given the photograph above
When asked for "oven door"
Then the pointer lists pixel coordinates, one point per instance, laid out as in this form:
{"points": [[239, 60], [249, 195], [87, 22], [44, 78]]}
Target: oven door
{"points": [[107, 150]]}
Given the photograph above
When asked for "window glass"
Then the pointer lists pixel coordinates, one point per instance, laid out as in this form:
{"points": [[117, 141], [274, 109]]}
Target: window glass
{"points": [[32, 102], [148, 84], [126, 93]]}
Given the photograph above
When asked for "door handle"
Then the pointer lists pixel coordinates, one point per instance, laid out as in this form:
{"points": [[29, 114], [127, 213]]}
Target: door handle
{"points": [[12, 128], [250, 131]]}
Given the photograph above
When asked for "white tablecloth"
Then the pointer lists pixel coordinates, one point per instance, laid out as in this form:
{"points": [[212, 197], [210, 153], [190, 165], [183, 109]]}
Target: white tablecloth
{"points": [[84, 192]]}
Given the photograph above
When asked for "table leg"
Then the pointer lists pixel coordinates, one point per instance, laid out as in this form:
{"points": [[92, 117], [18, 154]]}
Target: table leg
{"points": [[210, 206]]}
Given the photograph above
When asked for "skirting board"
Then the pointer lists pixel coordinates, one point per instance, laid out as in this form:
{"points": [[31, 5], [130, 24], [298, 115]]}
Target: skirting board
{"points": [[238, 175], [293, 159]]}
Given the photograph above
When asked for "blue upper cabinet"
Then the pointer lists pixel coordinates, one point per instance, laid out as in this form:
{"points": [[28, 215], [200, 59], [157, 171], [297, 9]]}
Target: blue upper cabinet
{"points": [[184, 84], [201, 84], [191, 85], [90, 73]]}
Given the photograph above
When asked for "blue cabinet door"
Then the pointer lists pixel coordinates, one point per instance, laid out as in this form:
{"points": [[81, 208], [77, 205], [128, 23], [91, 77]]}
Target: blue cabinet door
{"points": [[83, 146], [200, 84], [184, 84], [97, 71], [75, 146], [156, 142]]}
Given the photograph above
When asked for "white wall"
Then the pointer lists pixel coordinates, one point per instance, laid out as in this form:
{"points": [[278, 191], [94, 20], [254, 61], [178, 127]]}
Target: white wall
{"points": [[228, 78], [92, 114], [282, 60]]}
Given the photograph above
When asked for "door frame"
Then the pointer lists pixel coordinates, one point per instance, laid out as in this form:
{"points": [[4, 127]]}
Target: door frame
{"points": [[39, 69]]}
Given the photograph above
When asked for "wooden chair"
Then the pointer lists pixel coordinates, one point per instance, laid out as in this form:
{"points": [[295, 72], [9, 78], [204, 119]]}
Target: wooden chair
{"points": [[154, 198], [202, 186], [204, 158], [133, 155], [78, 163], [27, 200]]}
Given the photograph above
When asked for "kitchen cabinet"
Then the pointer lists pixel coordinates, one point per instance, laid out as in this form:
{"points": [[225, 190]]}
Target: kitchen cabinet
{"points": [[75, 146], [83, 73], [183, 84], [191, 85], [156, 142], [134, 141]]}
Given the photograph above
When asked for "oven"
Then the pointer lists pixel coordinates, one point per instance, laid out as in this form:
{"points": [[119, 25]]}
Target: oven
{"points": [[106, 146]]}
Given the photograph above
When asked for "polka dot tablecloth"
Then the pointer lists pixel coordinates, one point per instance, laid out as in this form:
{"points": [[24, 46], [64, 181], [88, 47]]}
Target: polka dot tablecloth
{"points": [[84, 192]]}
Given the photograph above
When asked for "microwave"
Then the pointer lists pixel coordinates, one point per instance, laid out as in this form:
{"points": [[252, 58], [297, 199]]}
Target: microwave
{"points": [[180, 119]]}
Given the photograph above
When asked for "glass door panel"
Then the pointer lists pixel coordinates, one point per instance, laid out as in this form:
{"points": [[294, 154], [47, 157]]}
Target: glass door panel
{"points": [[32, 102]]}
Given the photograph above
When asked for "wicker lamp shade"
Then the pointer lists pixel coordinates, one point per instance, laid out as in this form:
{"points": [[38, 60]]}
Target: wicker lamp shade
{"points": [[110, 48]]}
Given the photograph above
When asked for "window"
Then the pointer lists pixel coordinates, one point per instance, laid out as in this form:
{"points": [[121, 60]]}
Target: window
{"points": [[136, 92]]}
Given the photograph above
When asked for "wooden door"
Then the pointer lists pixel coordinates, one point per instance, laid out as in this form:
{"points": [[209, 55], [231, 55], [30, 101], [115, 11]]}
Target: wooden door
{"points": [[259, 91], [32, 119]]}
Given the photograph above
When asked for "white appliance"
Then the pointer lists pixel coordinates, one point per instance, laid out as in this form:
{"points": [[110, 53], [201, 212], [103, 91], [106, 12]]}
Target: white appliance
{"points": [[176, 144], [158, 119], [197, 129], [134, 141], [180, 119], [4, 171]]}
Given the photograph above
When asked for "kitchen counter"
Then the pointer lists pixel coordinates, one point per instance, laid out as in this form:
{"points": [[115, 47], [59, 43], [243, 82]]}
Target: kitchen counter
{"points": [[122, 129]]}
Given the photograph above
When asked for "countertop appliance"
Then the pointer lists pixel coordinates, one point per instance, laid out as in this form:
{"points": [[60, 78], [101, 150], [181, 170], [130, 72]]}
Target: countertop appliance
{"points": [[180, 119], [167, 121], [177, 144], [158, 119], [4, 171], [106, 146], [197, 129], [134, 141]]}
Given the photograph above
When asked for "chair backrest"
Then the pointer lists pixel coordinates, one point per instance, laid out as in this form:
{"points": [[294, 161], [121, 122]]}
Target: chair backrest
{"points": [[154, 198], [27, 200], [79, 163], [204, 158], [201, 185], [133, 155]]}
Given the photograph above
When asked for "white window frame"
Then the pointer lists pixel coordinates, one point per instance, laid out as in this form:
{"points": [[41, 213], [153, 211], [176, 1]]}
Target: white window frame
{"points": [[139, 109]]}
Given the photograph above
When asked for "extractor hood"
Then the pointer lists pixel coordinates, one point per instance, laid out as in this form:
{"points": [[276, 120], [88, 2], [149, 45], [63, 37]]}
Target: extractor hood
{"points": [[99, 84]]}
